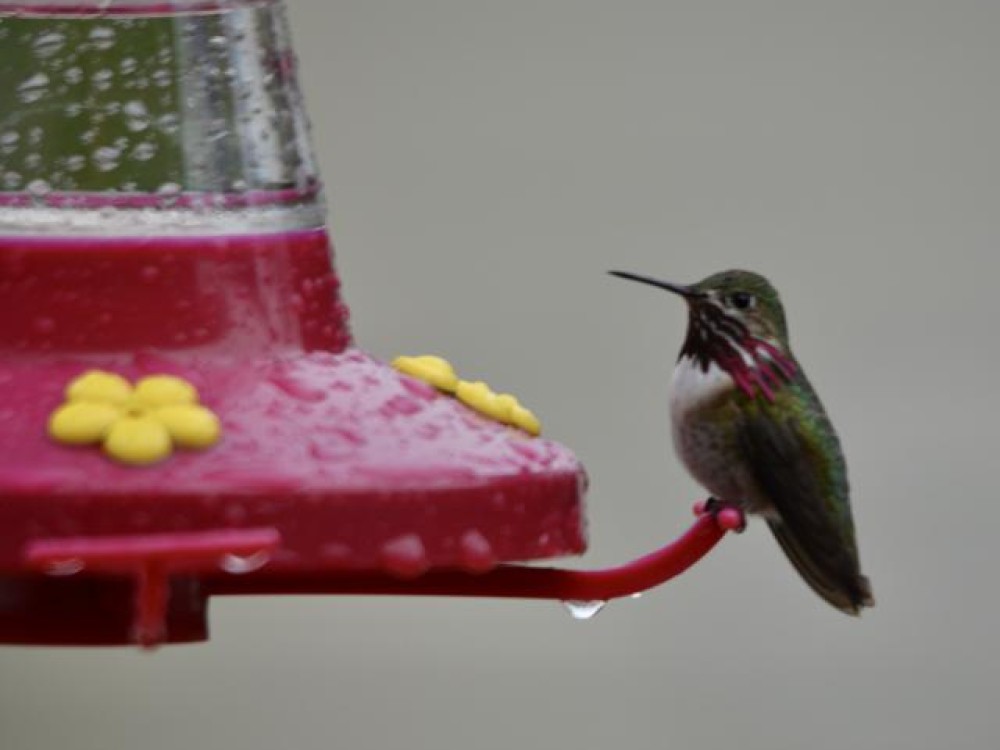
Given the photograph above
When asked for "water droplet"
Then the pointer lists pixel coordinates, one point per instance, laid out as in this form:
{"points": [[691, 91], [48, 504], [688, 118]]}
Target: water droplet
{"points": [[39, 188], [583, 610], [102, 79], [169, 123], [106, 158], [33, 161], [47, 45], [128, 66], [8, 142], [162, 78], [476, 552], [144, 151], [11, 180], [293, 387], [136, 115], [169, 193], [241, 564], [69, 567], [35, 135], [400, 405], [76, 162], [102, 37], [73, 75], [405, 556], [34, 88], [73, 109]]}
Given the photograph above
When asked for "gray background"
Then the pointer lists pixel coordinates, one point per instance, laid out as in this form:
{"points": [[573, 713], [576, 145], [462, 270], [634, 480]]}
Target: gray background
{"points": [[486, 163]]}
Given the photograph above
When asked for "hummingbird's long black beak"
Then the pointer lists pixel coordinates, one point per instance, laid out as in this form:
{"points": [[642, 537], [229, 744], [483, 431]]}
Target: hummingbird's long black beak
{"points": [[684, 291]]}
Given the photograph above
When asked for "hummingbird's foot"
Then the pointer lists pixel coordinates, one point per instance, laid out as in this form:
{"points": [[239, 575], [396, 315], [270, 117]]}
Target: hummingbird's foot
{"points": [[728, 515]]}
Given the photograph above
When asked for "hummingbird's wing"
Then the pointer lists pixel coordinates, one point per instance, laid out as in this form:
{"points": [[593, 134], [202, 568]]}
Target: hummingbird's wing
{"points": [[795, 458]]}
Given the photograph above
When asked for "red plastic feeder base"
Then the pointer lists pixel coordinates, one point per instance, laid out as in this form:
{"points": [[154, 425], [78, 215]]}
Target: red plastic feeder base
{"points": [[346, 466], [385, 476]]}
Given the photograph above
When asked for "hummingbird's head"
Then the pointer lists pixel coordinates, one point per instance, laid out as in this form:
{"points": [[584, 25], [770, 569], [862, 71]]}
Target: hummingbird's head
{"points": [[747, 297], [732, 304], [736, 322]]}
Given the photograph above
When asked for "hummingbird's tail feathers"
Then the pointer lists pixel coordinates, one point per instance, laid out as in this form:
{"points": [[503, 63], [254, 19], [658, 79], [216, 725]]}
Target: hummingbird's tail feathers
{"points": [[836, 578]]}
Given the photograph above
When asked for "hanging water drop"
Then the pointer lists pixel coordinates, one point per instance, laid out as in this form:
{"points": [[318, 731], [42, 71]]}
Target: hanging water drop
{"points": [[580, 610]]}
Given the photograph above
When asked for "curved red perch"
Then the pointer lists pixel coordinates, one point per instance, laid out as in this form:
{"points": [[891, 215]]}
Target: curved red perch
{"points": [[505, 581], [172, 577]]}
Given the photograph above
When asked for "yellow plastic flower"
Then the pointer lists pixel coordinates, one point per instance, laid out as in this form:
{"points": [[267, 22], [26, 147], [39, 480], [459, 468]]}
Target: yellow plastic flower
{"points": [[137, 425], [501, 407], [434, 370], [526, 420]]}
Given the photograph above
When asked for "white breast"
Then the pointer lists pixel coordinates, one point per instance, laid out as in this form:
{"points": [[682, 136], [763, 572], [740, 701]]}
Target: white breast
{"points": [[693, 386], [702, 444]]}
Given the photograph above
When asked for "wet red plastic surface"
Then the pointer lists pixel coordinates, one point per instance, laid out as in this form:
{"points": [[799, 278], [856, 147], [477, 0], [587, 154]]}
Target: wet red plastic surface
{"points": [[351, 465], [242, 295], [358, 467]]}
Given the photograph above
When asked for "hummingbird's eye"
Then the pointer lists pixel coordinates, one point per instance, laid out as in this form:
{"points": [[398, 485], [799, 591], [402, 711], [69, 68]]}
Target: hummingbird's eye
{"points": [[741, 300]]}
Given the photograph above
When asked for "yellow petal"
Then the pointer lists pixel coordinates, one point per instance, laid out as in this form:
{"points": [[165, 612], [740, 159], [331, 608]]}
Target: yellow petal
{"points": [[525, 420], [99, 386], [164, 390], [138, 441], [82, 423], [507, 402], [436, 371], [190, 426], [479, 397]]}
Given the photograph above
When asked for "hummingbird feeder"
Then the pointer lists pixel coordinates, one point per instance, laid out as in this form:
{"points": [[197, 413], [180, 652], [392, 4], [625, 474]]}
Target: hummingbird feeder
{"points": [[185, 414]]}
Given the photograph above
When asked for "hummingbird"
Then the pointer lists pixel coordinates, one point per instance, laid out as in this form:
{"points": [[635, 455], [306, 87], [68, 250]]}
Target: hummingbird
{"points": [[751, 430]]}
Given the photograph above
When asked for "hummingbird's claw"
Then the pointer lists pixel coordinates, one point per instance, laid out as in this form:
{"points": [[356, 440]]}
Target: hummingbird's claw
{"points": [[728, 515]]}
